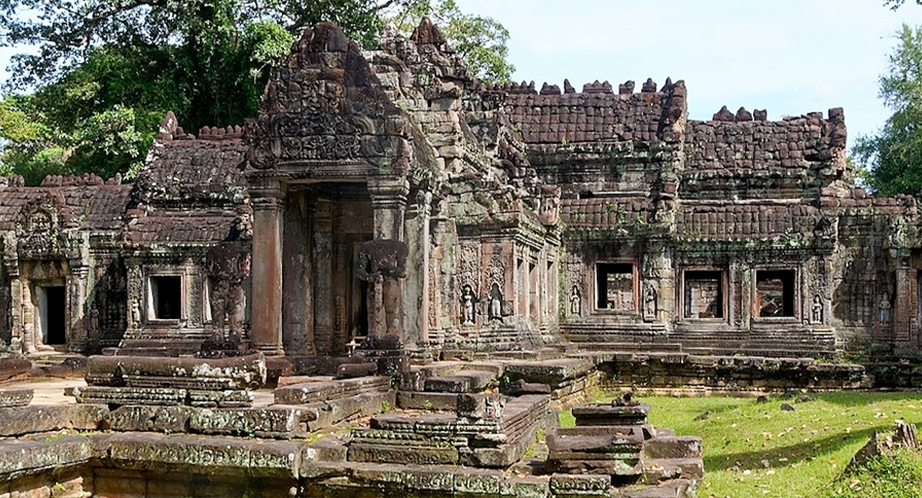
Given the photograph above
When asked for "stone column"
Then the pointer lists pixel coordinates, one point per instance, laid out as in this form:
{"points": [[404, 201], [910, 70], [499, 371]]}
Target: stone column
{"points": [[417, 287], [903, 312], [29, 341], [17, 334], [323, 276], [266, 329], [76, 304], [389, 202]]}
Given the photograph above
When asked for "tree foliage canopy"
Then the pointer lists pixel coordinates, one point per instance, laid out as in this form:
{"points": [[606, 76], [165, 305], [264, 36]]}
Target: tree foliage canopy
{"points": [[105, 72], [895, 4], [893, 157]]}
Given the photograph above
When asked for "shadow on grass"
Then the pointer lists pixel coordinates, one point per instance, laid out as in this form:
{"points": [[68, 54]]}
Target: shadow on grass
{"points": [[794, 453], [863, 398]]}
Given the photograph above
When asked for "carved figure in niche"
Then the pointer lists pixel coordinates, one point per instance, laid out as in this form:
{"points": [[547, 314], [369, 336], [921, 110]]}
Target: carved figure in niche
{"points": [[40, 222], [227, 267], [884, 308], [94, 321], [495, 309], [817, 310], [381, 263], [576, 304], [135, 313], [339, 319], [493, 408], [467, 306], [649, 303]]}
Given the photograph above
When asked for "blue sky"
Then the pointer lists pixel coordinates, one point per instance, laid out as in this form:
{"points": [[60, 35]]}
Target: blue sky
{"points": [[788, 56]]}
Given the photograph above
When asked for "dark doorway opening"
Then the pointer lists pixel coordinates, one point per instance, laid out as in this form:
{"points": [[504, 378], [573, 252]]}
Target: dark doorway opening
{"points": [[615, 286], [775, 293], [704, 294], [56, 313], [166, 293]]}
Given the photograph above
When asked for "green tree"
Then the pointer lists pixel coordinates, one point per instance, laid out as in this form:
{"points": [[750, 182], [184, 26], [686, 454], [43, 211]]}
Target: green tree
{"points": [[480, 41], [895, 4], [893, 157], [105, 72]]}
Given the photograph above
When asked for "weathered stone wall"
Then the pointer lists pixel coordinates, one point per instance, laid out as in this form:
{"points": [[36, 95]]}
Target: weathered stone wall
{"points": [[735, 155]]}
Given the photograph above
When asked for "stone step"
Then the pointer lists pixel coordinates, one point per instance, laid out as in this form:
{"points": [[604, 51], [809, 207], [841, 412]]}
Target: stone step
{"points": [[465, 381], [629, 346], [316, 392]]}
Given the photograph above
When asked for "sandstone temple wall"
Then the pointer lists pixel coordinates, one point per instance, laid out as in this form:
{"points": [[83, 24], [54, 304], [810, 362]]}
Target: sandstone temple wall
{"points": [[387, 194]]}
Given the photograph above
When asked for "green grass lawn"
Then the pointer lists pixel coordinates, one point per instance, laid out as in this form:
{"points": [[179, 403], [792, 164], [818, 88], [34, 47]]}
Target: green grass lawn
{"points": [[755, 449]]}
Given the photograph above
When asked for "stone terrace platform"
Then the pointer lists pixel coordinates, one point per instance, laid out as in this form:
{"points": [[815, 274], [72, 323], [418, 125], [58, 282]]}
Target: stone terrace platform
{"points": [[467, 428]]}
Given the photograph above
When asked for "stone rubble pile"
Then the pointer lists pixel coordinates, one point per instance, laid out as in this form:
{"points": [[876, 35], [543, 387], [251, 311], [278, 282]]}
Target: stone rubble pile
{"points": [[139, 380]]}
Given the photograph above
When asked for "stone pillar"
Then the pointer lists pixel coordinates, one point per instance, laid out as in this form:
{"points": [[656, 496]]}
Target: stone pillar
{"points": [[76, 305], [417, 283], [323, 276], [17, 334], [903, 311], [389, 203], [29, 342], [266, 329]]}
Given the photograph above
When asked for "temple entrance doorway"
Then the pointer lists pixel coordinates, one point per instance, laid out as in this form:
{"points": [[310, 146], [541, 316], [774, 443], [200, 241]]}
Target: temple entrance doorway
{"points": [[52, 313]]}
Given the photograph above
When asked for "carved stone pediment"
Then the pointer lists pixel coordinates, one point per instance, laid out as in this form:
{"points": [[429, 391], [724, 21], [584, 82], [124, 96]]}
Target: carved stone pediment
{"points": [[40, 228], [326, 105]]}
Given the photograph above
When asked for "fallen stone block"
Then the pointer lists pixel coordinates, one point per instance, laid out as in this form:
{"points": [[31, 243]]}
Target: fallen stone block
{"points": [[663, 469], [45, 418], [243, 372], [673, 447], [327, 414], [232, 398], [203, 455], [615, 466], [478, 406], [18, 457], [141, 418], [581, 485], [354, 370], [401, 454], [603, 445], [270, 422], [314, 392], [12, 366], [427, 401], [520, 388], [599, 414], [15, 397], [328, 449], [129, 395]]}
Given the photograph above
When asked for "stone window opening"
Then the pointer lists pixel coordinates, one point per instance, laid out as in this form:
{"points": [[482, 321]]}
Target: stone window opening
{"points": [[165, 297], [704, 295], [775, 294], [615, 284]]}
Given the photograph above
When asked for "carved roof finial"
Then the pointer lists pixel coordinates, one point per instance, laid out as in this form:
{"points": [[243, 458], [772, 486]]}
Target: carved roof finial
{"points": [[427, 33], [168, 126]]}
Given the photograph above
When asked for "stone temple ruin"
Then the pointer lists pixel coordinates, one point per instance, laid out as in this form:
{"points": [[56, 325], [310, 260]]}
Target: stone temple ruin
{"points": [[388, 194], [387, 214]]}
